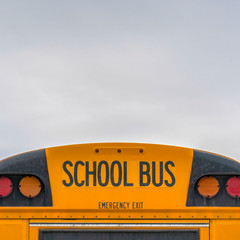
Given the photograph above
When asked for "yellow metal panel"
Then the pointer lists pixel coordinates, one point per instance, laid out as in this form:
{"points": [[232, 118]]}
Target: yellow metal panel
{"points": [[13, 229], [174, 162], [225, 229]]}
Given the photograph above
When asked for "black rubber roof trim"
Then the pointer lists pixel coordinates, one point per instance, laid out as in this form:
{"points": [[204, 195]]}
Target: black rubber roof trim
{"points": [[205, 163], [29, 163]]}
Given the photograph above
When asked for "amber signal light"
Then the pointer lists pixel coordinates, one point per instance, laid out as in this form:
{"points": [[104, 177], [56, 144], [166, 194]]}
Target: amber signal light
{"points": [[208, 186], [30, 186]]}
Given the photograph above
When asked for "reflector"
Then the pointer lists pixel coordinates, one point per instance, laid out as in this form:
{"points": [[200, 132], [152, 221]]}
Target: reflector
{"points": [[30, 186], [208, 186], [5, 187], [233, 187]]}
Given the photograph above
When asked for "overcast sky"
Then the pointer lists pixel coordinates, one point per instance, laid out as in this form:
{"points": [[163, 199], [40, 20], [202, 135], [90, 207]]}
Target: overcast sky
{"points": [[164, 72]]}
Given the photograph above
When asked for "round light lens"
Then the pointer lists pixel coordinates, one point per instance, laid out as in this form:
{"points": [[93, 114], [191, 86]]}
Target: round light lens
{"points": [[208, 186], [233, 187], [30, 186], [6, 187]]}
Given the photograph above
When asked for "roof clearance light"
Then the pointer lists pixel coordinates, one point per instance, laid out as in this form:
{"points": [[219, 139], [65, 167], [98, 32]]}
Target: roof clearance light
{"points": [[5, 187], [30, 186], [208, 186], [233, 187]]}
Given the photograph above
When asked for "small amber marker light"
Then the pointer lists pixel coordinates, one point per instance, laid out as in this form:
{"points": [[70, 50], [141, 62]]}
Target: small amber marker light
{"points": [[208, 186], [30, 186]]}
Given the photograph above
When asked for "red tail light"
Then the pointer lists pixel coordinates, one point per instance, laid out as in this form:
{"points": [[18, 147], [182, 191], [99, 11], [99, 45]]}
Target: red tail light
{"points": [[5, 187], [233, 187]]}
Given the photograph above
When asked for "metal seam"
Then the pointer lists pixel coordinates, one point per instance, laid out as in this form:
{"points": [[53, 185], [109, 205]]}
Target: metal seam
{"points": [[116, 225]]}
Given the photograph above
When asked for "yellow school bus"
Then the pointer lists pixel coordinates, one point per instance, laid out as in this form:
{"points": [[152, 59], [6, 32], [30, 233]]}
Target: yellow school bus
{"points": [[117, 191]]}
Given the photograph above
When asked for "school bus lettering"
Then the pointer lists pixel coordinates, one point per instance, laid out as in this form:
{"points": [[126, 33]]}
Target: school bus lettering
{"points": [[115, 174], [170, 173], [126, 183], [103, 182], [148, 173], [70, 182]]}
